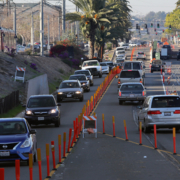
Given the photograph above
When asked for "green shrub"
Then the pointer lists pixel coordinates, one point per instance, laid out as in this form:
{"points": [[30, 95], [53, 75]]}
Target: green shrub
{"points": [[109, 46]]}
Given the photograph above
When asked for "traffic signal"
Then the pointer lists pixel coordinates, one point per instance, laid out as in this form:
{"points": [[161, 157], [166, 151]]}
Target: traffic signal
{"points": [[151, 24], [169, 27], [158, 25], [145, 26], [155, 29], [137, 26]]}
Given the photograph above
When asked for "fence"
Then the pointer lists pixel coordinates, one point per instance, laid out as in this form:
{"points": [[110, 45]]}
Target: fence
{"points": [[8, 102]]}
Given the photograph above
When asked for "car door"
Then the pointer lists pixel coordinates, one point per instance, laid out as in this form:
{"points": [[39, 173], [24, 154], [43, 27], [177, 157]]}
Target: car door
{"points": [[143, 111]]}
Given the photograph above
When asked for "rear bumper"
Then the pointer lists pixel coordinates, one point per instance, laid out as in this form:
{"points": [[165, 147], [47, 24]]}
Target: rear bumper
{"points": [[140, 98], [164, 124], [156, 69]]}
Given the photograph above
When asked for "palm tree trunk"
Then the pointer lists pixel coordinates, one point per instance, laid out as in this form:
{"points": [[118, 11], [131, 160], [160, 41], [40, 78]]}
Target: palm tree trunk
{"points": [[91, 43]]}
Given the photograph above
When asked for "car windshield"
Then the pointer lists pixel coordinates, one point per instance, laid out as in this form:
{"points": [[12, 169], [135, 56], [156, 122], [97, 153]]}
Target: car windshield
{"points": [[125, 45], [157, 62], [131, 87], [103, 64], [121, 52], [119, 49], [136, 66], [77, 77], [91, 63], [127, 66], [82, 72], [130, 74], [41, 102], [69, 85], [164, 102], [12, 127], [140, 53]]}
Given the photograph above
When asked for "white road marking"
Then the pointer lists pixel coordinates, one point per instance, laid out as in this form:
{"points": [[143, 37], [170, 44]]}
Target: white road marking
{"points": [[163, 85]]}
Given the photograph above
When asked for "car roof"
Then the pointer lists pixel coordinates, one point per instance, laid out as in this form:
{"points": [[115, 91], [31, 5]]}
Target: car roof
{"points": [[132, 83], [41, 95], [13, 119], [70, 81], [78, 75]]}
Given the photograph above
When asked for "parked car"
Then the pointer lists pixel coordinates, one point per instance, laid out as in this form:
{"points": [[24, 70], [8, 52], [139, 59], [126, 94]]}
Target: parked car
{"points": [[17, 140], [141, 55], [42, 109], [129, 76], [105, 67], [131, 92], [93, 66], [156, 65], [162, 110], [70, 89], [82, 79], [88, 75]]}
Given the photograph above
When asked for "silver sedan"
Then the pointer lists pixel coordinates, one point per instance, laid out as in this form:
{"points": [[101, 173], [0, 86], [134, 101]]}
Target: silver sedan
{"points": [[162, 110]]}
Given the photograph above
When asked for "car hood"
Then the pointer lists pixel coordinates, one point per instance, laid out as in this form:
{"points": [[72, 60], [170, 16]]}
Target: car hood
{"points": [[13, 138], [89, 67], [41, 108], [69, 89]]}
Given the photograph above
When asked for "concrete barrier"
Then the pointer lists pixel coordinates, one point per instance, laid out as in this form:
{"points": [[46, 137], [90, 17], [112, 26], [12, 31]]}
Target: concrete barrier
{"points": [[36, 86]]}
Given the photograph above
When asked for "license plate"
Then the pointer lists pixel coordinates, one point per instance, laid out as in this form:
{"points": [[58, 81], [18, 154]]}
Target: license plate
{"points": [[167, 113], [69, 95], [5, 153], [131, 95], [40, 118]]}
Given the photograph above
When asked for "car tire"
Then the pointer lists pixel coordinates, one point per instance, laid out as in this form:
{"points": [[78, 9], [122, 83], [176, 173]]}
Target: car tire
{"points": [[120, 102], [81, 99], [151, 71], [57, 123], [100, 75], [91, 84], [146, 129], [59, 99]]}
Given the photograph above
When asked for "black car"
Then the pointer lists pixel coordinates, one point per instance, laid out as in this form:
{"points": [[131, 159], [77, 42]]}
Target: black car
{"points": [[178, 55], [88, 75], [42, 109], [157, 65], [110, 64], [82, 79], [70, 89]]}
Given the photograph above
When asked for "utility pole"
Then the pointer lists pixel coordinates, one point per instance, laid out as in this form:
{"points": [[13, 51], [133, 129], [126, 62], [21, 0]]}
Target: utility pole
{"points": [[53, 29], [32, 32], [41, 29], [77, 26], [14, 24], [59, 29], [48, 35], [63, 16]]}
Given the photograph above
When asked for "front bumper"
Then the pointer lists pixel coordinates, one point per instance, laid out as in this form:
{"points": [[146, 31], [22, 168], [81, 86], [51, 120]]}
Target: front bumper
{"points": [[74, 96], [105, 71]]}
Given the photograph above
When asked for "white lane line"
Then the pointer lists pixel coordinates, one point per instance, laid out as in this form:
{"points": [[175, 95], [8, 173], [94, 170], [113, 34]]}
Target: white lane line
{"points": [[163, 85]]}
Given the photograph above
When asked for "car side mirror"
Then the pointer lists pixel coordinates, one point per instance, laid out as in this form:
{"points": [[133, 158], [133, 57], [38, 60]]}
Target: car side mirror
{"points": [[24, 105], [58, 104], [33, 131]]}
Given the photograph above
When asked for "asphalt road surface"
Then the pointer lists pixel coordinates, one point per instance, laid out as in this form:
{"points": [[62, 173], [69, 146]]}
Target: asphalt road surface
{"points": [[107, 157]]}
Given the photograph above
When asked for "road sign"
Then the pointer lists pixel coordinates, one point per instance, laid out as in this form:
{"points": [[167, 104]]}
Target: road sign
{"points": [[20, 73]]}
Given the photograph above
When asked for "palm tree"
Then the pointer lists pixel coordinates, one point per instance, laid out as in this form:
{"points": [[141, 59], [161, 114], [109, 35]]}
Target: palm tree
{"points": [[93, 12]]}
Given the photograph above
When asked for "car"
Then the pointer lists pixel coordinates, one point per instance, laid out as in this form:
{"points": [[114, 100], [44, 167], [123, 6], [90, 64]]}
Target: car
{"points": [[17, 140], [105, 67], [119, 50], [119, 60], [141, 55], [83, 80], [110, 64], [129, 76], [121, 53], [157, 65], [93, 66], [135, 65], [42, 109], [70, 89], [126, 46], [178, 55], [161, 110], [131, 92], [88, 75]]}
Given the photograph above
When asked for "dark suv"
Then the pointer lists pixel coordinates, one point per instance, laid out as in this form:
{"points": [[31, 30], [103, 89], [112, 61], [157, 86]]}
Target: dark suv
{"points": [[42, 109]]}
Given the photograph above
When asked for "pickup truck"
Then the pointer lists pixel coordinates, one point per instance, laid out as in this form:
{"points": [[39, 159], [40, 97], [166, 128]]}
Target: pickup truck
{"points": [[168, 53], [93, 66]]}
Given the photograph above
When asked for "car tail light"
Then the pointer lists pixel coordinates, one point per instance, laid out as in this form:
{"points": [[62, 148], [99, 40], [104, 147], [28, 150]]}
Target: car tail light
{"points": [[129, 70], [119, 93], [119, 81], [140, 80], [153, 112], [143, 93], [177, 112]]}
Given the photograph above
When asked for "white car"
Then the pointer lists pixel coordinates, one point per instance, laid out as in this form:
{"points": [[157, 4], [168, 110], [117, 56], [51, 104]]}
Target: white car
{"points": [[132, 44], [105, 67], [141, 55], [119, 49], [121, 53], [126, 46]]}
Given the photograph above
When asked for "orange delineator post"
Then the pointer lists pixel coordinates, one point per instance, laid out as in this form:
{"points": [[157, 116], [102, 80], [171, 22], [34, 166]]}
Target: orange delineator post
{"points": [[70, 134], [74, 137], [53, 155], [77, 127], [113, 120], [47, 159], [103, 124], [30, 166], [140, 133], [125, 128], [155, 138], [1, 173], [39, 163], [64, 145], [59, 147], [174, 140], [17, 165]]}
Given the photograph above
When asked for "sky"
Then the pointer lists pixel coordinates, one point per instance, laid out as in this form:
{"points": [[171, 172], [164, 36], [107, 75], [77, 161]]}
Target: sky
{"points": [[140, 7]]}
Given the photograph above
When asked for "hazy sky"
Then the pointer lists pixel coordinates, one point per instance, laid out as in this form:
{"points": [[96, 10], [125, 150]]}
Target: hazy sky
{"points": [[141, 7]]}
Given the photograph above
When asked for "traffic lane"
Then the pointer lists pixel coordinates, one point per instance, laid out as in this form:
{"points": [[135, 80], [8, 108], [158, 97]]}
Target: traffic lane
{"points": [[47, 133], [110, 158]]}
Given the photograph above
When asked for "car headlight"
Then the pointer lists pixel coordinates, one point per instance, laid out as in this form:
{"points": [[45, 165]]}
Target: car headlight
{"points": [[83, 84], [28, 112], [26, 143], [78, 92], [60, 92], [53, 111]]}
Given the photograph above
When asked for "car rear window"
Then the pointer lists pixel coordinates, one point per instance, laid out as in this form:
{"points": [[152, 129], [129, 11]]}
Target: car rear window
{"points": [[82, 72], [156, 62], [121, 52], [119, 49], [136, 66], [131, 87], [130, 74], [140, 53], [77, 77], [164, 102], [127, 66]]}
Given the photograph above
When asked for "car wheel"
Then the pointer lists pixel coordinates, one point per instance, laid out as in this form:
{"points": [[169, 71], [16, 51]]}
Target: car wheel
{"points": [[57, 123], [120, 102], [151, 71], [59, 99], [100, 75], [91, 84], [81, 99], [146, 129]]}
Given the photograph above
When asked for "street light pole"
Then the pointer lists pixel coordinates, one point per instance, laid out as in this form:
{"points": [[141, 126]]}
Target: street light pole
{"points": [[41, 29], [32, 32], [48, 35]]}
